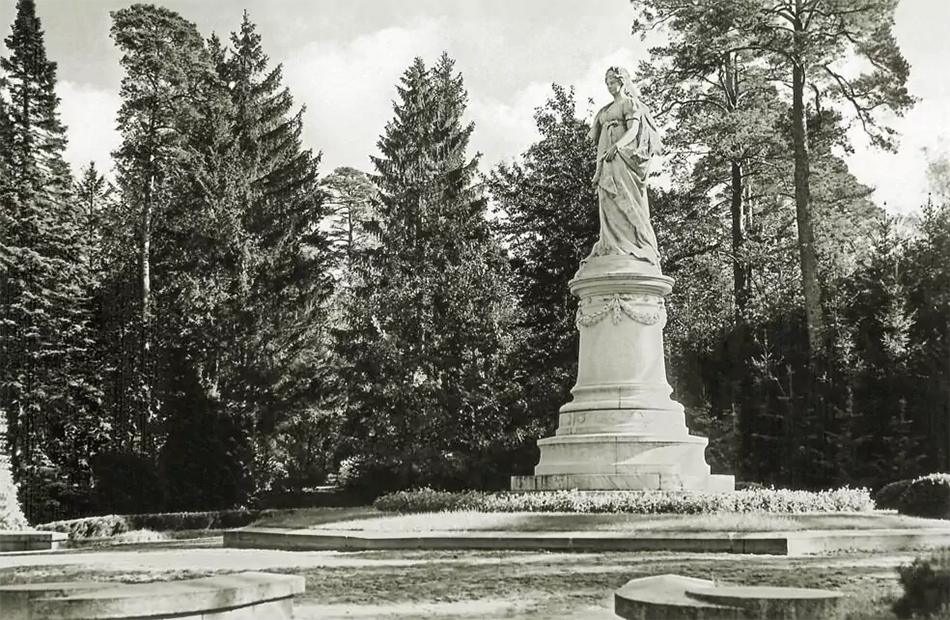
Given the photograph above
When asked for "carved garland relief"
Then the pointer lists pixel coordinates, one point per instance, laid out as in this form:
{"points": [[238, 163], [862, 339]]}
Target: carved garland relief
{"points": [[619, 305]]}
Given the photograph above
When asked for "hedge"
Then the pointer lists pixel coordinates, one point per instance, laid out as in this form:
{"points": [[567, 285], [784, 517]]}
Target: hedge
{"points": [[927, 496], [888, 497], [639, 502], [111, 525]]}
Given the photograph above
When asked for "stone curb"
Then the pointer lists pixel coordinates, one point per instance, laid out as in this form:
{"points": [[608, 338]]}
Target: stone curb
{"points": [[768, 543], [239, 596]]}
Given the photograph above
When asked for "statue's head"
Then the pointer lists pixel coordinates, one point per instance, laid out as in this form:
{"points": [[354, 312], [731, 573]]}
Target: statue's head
{"points": [[619, 78]]}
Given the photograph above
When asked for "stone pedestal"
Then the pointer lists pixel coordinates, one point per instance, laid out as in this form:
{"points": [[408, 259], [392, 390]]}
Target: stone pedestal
{"points": [[622, 430]]}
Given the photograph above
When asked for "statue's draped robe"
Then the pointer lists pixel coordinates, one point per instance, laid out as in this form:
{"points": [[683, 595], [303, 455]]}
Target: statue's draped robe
{"points": [[622, 182]]}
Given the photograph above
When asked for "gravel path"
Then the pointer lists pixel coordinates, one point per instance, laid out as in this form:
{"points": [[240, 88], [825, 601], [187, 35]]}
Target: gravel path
{"points": [[453, 585]]}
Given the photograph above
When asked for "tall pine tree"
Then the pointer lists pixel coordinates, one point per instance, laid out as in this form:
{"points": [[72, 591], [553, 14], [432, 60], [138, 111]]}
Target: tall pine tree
{"points": [[166, 67]]}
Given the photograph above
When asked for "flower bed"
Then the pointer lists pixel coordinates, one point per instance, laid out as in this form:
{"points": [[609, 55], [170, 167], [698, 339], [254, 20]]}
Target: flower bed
{"points": [[113, 525], [637, 502]]}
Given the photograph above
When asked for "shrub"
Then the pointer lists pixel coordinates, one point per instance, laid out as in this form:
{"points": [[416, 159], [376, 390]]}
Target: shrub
{"points": [[113, 525], [926, 587], [11, 516], [927, 496], [638, 502], [745, 486], [888, 496]]}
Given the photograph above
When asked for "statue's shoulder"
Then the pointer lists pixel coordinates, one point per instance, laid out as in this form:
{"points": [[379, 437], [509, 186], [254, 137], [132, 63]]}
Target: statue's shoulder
{"points": [[630, 109]]}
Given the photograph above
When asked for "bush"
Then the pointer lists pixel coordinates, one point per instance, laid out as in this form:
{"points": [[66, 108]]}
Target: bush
{"points": [[888, 496], [113, 525], [746, 486], [368, 477], [927, 496], [638, 502], [926, 587], [11, 516]]}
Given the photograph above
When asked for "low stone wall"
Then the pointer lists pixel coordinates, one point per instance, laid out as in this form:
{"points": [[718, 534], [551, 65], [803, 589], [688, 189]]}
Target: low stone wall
{"points": [[31, 540], [672, 597], [771, 543], [242, 596]]}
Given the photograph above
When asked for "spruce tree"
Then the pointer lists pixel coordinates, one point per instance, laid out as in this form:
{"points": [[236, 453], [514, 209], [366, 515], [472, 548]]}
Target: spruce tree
{"points": [[277, 353], [11, 515], [427, 327], [47, 387]]}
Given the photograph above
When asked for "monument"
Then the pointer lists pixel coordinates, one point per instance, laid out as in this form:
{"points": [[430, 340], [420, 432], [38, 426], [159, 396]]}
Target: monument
{"points": [[622, 430]]}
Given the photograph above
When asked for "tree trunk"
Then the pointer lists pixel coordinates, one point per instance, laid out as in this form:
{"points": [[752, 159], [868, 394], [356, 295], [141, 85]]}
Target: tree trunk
{"points": [[740, 267], [146, 284], [806, 235]]}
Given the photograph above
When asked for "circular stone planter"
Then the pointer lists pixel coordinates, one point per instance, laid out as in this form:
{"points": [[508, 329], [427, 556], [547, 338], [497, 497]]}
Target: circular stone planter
{"points": [[672, 597]]}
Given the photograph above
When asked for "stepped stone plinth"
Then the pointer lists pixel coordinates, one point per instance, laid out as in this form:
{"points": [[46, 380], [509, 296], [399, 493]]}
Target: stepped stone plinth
{"points": [[622, 430]]}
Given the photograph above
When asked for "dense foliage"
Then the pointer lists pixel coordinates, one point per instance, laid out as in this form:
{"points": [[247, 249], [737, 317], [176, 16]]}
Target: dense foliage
{"points": [[888, 497], [204, 321], [926, 583], [425, 324], [778, 501], [927, 496]]}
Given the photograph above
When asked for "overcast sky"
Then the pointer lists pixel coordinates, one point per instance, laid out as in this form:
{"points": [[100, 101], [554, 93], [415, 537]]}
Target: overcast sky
{"points": [[343, 58]]}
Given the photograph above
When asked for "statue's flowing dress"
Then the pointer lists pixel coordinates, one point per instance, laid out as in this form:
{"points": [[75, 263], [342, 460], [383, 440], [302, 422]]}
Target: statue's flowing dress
{"points": [[622, 183]]}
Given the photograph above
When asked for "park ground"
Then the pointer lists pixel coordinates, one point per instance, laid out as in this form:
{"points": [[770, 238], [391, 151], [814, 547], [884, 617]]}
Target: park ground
{"points": [[463, 584]]}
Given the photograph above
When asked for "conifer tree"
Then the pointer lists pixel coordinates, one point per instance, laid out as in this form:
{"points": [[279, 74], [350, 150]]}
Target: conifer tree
{"points": [[166, 65], [350, 196], [282, 374], [92, 193], [47, 387], [427, 326], [799, 43]]}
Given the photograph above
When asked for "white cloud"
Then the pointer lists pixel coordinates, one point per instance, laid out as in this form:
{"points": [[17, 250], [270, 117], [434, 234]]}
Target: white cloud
{"points": [[89, 115], [504, 129], [900, 179], [349, 88]]}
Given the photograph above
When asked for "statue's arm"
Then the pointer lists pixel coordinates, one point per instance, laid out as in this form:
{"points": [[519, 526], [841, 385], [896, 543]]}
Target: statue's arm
{"points": [[594, 134], [632, 122]]}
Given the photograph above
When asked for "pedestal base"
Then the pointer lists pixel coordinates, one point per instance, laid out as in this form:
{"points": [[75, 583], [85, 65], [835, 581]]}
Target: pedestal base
{"points": [[615, 461], [620, 482], [622, 430]]}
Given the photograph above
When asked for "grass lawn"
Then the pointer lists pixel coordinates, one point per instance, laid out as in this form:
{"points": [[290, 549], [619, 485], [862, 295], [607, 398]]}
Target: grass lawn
{"points": [[447, 585], [371, 520]]}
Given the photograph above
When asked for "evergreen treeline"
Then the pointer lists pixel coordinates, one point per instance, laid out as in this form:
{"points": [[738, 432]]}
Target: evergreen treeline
{"points": [[219, 323]]}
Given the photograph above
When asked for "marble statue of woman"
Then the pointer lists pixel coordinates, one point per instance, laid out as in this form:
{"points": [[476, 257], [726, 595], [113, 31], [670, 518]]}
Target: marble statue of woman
{"points": [[627, 138]]}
